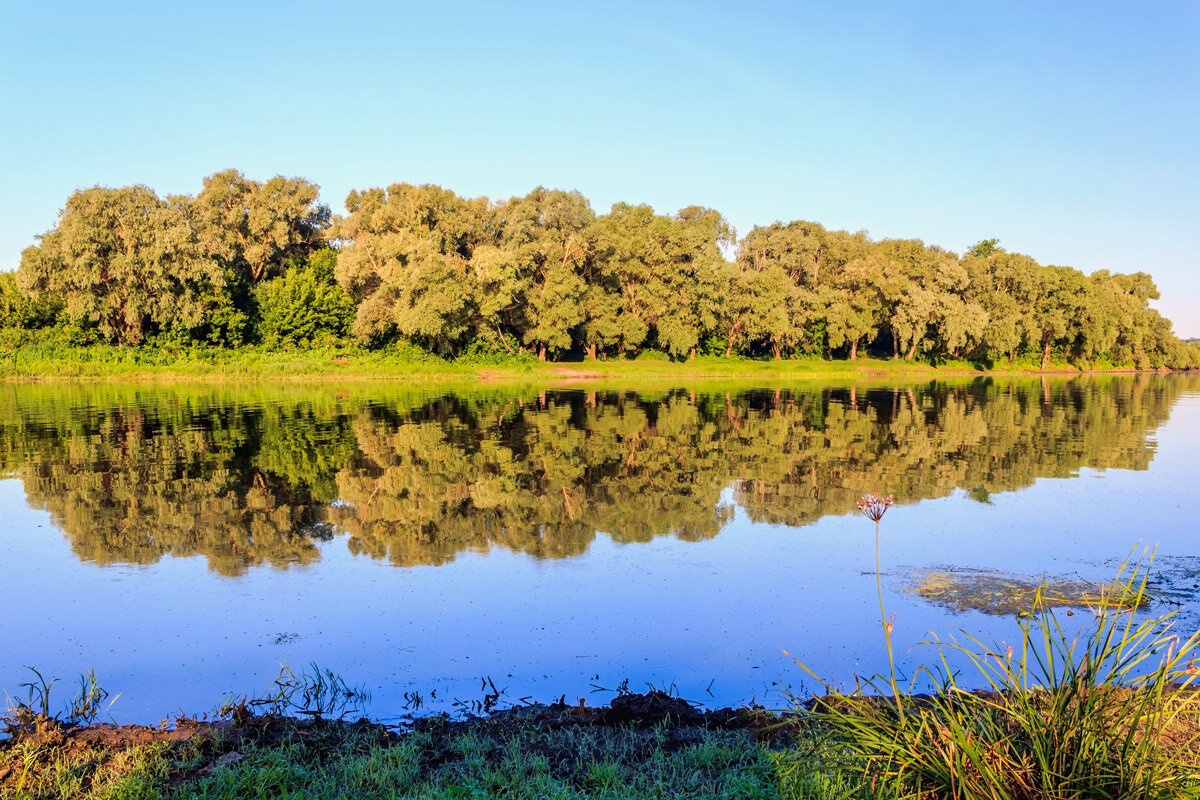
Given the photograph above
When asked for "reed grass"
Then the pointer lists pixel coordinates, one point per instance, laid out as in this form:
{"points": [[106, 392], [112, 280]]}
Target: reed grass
{"points": [[1104, 712]]}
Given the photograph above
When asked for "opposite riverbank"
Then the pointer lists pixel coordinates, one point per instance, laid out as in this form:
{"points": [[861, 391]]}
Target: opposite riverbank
{"points": [[115, 363]]}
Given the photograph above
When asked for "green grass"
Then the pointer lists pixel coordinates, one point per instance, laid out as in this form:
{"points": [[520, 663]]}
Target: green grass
{"points": [[44, 360], [479, 759]]}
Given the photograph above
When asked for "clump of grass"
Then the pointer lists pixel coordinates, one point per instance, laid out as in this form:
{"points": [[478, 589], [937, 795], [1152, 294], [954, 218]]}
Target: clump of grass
{"points": [[1106, 712], [319, 693], [84, 707]]}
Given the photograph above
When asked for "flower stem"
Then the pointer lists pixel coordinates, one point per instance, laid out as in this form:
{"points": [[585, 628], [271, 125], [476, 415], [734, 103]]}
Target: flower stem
{"points": [[887, 634]]}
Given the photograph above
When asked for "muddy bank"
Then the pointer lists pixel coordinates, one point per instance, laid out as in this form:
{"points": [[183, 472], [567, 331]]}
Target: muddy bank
{"points": [[39, 750]]}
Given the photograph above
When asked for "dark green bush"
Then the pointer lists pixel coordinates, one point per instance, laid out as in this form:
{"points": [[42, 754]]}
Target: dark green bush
{"points": [[304, 307]]}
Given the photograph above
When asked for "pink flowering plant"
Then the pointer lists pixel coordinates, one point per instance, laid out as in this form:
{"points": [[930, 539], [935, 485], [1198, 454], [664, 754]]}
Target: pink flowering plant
{"points": [[874, 507]]}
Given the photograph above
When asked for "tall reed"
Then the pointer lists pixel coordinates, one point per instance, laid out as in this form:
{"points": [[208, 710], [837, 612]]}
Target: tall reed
{"points": [[1108, 711]]}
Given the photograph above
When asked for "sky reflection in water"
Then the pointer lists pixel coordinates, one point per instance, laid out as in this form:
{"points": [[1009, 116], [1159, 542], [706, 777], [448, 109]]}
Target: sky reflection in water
{"points": [[185, 543]]}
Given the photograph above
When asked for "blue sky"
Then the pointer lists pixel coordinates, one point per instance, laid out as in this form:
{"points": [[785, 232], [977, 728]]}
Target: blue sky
{"points": [[1068, 130]]}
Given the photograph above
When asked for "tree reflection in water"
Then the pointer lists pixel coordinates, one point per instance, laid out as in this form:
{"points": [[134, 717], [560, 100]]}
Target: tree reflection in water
{"points": [[260, 476]]}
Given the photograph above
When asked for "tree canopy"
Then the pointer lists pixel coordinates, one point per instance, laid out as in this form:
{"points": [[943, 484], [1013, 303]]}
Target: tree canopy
{"points": [[247, 262]]}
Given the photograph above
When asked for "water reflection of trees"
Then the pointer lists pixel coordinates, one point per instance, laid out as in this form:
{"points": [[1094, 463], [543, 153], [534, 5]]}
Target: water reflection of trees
{"points": [[418, 480]]}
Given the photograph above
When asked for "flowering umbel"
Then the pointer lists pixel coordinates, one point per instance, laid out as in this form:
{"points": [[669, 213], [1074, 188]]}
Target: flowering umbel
{"points": [[874, 506]]}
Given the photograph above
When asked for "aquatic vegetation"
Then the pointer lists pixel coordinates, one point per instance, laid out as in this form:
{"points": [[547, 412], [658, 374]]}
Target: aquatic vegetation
{"points": [[316, 692], [85, 706], [1002, 593], [1108, 711]]}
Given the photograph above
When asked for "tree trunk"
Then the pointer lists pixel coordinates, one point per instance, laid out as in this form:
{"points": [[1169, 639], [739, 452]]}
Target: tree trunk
{"points": [[591, 351], [541, 352], [729, 348], [854, 349], [692, 353], [1045, 354], [775, 349], [912, 351], [895, 347]]}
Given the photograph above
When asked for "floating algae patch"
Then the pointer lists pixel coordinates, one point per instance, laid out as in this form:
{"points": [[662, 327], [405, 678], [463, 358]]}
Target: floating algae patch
{"points": [[1002, 593]]}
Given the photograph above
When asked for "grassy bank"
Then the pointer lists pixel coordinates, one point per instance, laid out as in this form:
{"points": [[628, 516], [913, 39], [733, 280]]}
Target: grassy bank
{"points": [[653, 746], [39, 362], [642, 746]]}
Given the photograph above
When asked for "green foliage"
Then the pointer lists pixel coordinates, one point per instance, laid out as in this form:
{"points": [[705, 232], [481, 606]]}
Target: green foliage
{"points": [[406, 259], [985, 248], [19, 310], [248, 261], [482, 352], [713, 345], [304, 307], [254, 228], [124, 260]]}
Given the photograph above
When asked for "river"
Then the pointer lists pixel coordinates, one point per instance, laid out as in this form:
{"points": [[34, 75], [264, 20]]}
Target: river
{"points": [[447, 550]]}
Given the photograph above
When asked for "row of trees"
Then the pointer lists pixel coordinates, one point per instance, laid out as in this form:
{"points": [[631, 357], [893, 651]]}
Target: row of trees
{"points": [[245, 479], [245, 262]]}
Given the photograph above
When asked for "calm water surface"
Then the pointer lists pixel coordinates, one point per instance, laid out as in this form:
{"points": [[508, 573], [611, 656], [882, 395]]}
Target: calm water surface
{"points": [[184, 542]]}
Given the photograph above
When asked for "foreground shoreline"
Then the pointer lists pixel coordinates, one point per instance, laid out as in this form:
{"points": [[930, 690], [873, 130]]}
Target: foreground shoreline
{"points": [[638, 745]]}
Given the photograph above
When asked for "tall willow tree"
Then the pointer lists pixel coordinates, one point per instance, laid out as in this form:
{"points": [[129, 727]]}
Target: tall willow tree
{"points": [[544, 237], [1004, 285], [124, 260], [926, 286], [853, 298], [406, 256], [667, 272], [831, 297], [770, 294], [255, 228]]}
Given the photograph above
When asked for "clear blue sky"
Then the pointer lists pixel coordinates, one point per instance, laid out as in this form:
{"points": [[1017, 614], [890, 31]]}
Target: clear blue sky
{"points": [[1068, 130]]}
